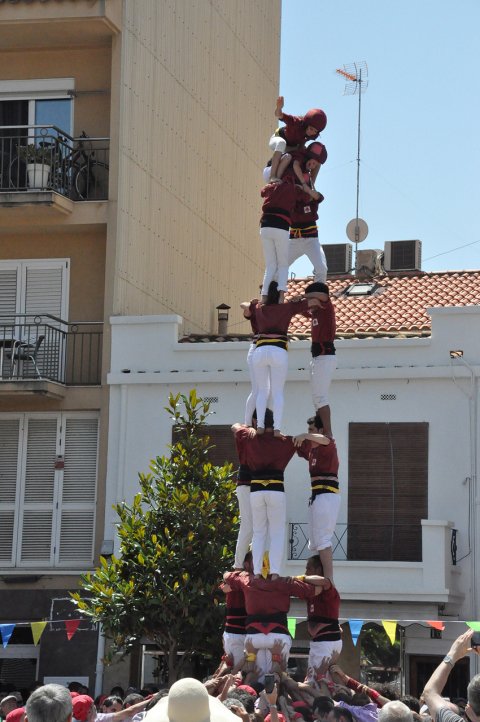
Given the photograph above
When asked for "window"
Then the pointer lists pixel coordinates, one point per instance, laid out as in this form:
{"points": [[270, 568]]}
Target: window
{"points": [[387, 492], [223, 443], [48, 473], [30, 292]]}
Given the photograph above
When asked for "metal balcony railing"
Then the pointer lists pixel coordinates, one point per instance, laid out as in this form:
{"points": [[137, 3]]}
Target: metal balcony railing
{"points": [[44, 347], [367, 542], [44, 157]]}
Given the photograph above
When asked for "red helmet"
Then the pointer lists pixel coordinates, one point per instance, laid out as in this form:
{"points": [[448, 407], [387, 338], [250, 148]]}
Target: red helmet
{"points": [[317, 151], [317, 118]]}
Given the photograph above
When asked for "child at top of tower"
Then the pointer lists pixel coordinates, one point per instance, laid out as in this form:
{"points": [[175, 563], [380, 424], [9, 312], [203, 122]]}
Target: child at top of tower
{"points": [[297, 131]]}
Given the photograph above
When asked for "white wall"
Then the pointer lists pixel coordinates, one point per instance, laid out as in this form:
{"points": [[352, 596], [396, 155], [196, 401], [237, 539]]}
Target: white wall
{"points": [[419, 372]]}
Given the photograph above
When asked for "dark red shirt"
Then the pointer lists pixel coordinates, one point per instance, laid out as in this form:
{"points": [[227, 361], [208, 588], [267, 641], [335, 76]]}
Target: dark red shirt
{"points": [[276, 317], [235, 614], [322, 616], [264, 596], [294, 130], [304, 212], [264, 454], [279, 199], [244, 475], [322, 459], [323, 323]]}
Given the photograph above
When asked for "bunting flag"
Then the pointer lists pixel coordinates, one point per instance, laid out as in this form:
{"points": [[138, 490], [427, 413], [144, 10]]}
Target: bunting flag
{"points": [[355, 629], [390, 627], [265, 565], [6, 632], [292, 626], [37, 631], [436, 625], [474, 625], [71, 625]]}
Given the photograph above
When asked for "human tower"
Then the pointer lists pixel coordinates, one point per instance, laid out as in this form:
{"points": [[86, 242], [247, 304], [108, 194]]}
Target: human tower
{"points": [[258, 598]]}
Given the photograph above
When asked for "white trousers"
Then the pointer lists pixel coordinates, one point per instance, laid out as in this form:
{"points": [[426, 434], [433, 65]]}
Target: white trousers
{"points": [[270, 368], [319, 657], [311, 248], [277, 143], [263, 644], [234, 646], [252, 397], [269, 516], [321, 372], [245, 531], [323, 513], [275, 250]]}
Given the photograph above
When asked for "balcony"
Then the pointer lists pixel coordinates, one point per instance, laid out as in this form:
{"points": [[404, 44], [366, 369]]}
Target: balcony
{"points": [[43, 354], [52, 24], [47, 173], [388, 574]]}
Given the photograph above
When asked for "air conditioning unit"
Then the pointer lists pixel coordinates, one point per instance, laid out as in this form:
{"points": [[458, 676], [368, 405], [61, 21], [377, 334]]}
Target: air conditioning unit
{"points": [[403, 255], [369, 261], [339, 258]]}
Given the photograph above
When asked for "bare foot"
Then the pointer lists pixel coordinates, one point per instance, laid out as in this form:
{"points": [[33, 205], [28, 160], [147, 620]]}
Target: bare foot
{"points": [[260, 431], [276, 432]]}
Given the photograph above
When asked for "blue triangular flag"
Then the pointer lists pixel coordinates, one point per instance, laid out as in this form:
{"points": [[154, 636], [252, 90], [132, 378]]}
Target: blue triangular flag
{"points": [[355, 629], [6, 631]]}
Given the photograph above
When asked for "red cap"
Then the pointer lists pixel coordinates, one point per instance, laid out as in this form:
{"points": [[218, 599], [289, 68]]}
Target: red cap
{"points": [[248, 689], [317, 151], [317, 118], [82, 704], [15, 715], [74, 694]]}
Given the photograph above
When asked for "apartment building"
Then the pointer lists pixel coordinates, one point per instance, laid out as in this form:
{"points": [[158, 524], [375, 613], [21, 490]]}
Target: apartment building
{"points": [[132, 137]]}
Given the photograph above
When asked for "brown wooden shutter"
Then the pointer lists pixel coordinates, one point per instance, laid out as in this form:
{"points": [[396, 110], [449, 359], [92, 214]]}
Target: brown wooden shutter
{"points": [[222, 441], [387, 492]]}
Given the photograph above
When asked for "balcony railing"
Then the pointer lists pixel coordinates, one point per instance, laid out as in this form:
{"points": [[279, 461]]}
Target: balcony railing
{"points": [[367, 542], [44, 157], [44, 347]]}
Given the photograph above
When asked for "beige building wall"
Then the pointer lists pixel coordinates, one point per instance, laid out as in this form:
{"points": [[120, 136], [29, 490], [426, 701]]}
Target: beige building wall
{"points": [[198, 83]]}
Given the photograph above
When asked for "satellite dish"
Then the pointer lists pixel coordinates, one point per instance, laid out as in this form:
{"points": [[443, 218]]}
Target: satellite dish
{"points": [[357, 230]]}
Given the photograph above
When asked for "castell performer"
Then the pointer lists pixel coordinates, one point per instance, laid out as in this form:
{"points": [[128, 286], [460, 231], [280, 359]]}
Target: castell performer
{"points": [[324, 361], [321, 454], [293, 135], [267, 603], [235, 616], [266, 456], [303, 229], [322, 620], [270, 358]]}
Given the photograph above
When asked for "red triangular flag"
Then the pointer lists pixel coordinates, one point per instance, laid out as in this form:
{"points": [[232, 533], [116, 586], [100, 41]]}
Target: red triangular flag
{"points": [[436, 625], [71, 625]]}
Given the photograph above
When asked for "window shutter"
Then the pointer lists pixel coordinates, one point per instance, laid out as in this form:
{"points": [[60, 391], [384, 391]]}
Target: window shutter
{"points": [[222, 441], [9, 434], [37, 509], [44, 293], [387, 490], [44, 290], [78, 495], [8, 295]]}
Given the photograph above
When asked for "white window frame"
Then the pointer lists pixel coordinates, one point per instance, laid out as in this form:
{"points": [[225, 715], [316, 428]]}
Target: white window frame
{"points": [[56, 504], [39, 89]]}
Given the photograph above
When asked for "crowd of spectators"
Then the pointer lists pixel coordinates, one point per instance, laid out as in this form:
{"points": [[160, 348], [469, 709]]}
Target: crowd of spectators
{"points": [[227, 695]]}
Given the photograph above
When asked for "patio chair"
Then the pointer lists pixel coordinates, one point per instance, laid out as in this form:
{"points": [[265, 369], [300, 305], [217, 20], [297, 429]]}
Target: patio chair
{"points": [[22, 352]]}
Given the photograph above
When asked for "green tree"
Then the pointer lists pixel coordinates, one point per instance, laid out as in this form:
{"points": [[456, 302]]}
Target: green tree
{"points": [[176, 538]]}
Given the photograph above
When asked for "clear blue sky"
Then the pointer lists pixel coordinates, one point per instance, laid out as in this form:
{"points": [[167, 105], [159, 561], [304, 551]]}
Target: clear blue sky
{"points": [[420, 137]]}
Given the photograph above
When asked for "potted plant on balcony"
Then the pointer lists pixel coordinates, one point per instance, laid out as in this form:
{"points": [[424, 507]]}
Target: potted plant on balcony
{"points": [[38, 160]]}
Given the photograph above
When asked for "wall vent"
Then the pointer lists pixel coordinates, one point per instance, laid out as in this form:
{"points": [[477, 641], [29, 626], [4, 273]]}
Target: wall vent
{"points": [[403, 256], [388, 397], [339, 258], [211, 399]]}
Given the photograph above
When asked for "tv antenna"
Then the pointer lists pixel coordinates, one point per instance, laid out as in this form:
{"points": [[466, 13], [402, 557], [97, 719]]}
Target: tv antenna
{"points": [[356, 82]]}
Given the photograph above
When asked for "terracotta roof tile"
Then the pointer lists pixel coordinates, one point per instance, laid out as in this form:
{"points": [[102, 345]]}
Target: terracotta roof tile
{"points": [[398, 305]]}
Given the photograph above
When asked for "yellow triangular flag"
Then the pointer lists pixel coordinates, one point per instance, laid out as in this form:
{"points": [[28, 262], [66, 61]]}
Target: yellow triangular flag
{"points": [[37, 631], [390, 627], [265, 565]]}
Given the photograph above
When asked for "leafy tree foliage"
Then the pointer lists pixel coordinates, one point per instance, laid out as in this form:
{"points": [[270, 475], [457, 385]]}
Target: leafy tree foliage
{"points": [[176, 538]]}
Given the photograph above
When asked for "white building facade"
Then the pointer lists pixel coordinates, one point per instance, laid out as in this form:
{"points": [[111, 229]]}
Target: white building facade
{"points": [[400, 389]]}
